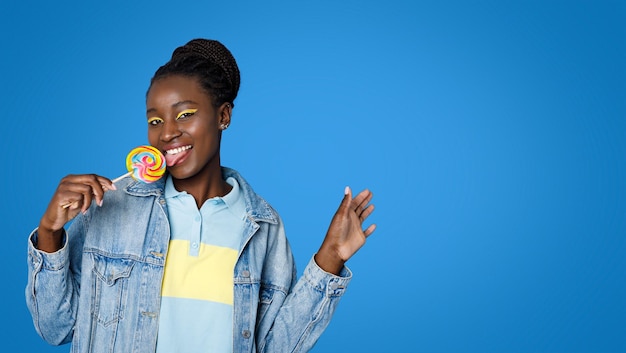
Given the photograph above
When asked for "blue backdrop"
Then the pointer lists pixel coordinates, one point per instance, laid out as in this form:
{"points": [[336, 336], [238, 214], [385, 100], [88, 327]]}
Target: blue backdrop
{"points": [[492, 133]]}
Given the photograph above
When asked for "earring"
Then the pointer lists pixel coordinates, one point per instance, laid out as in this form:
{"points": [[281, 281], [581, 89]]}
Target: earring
{"points": [[224, 126]]}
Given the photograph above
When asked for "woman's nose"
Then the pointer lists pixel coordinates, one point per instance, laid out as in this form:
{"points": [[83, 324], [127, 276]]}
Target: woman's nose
{"points": [[170, 131]]}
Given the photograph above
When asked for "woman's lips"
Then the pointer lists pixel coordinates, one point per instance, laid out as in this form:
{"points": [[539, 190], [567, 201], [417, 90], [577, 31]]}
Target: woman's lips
{"points": [[175, 156]]}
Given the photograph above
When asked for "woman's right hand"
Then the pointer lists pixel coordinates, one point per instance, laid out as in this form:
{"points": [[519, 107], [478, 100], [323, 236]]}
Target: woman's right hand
{"points": [[74, 194]]}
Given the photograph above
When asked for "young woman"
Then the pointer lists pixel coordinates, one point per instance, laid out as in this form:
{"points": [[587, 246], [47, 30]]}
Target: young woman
{"points": [[195, 262]]}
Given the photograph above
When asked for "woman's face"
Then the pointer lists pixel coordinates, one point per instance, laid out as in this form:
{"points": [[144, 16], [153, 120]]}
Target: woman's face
{"points": [[185, 126]]}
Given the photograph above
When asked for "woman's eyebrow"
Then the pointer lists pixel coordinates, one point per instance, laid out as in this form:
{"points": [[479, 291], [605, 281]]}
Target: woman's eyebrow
{"points": [[175, 105]]}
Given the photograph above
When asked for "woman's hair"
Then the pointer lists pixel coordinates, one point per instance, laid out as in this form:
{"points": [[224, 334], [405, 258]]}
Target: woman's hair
{"points": [[211, 63]]}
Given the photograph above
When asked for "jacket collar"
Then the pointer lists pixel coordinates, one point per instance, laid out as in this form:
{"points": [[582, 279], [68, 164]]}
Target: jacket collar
{"points": [[256, 207]]}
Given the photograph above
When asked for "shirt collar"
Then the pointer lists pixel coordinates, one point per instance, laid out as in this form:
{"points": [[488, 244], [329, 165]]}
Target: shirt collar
{"points": [[234, 199], [170, 190]]}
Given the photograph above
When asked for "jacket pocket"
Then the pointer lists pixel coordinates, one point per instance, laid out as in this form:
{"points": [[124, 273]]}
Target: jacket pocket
{"points": [[110, 289], [270, 301]]}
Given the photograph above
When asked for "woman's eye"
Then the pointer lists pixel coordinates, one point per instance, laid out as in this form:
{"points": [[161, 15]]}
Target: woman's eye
{"points": [[154, 121], [186, 113]]}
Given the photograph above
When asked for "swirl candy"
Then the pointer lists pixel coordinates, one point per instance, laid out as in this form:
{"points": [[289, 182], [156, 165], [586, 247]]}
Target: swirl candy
{"points": [[145, 163]]}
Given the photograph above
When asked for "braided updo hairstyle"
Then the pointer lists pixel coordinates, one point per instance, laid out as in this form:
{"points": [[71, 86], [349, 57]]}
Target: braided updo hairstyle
{"points": [[211, 63]]}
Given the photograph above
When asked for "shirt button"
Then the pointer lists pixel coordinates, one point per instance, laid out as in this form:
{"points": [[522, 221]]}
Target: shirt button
{"points": [[197, 219], [334, 285], [245, 273], [194, 245], [245, 333]]}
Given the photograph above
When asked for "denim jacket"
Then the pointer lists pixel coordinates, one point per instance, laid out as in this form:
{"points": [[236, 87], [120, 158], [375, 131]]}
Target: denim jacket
{"points": [[102, 290]]}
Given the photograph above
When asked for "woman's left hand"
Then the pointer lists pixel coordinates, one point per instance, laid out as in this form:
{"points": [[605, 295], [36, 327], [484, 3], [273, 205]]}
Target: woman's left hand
{"points": [[345, 234]]}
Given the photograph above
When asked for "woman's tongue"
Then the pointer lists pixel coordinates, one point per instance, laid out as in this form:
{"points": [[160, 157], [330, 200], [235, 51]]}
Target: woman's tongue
{"points": [[173, 159]]}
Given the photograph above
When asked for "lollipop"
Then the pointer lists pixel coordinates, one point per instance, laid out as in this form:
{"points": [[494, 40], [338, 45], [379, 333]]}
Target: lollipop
{"points": [[144, 163]]}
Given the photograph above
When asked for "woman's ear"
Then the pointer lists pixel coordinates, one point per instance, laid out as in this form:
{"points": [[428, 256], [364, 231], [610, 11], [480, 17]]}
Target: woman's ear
{"points": [[225, 112]]}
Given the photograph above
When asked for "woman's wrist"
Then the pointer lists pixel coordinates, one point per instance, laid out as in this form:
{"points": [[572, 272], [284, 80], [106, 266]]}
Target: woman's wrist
{"points": [[49, 240], [329, 260]]}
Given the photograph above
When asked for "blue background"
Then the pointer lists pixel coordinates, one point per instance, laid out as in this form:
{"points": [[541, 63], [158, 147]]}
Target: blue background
{"points": [[492, 133]]}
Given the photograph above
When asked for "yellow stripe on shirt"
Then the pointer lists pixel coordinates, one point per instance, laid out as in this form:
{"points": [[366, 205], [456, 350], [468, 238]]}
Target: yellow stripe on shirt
{"points": [[208, 276]]}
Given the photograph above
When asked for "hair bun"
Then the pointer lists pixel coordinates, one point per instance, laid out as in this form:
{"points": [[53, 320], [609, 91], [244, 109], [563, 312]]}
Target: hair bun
{"points": [[215, 52]]}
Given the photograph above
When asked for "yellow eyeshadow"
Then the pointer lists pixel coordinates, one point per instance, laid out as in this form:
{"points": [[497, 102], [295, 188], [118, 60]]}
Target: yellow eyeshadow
{"points": [[186, 111], [154, 119]]}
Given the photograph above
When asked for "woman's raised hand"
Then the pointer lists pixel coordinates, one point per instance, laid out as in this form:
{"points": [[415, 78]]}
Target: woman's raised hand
{"points": [[345, 234]]}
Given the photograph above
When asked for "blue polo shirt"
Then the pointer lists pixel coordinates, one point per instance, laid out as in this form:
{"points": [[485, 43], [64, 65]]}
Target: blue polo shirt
{"points": [[197, 292]]}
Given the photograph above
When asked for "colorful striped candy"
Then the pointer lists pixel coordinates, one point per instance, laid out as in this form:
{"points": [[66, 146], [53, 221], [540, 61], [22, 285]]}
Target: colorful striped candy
{"points": [[145, 163]]}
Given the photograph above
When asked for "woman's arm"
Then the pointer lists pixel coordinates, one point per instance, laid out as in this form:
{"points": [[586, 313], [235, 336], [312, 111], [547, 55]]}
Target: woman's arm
{"points": [[54, 256], [295, 320]]}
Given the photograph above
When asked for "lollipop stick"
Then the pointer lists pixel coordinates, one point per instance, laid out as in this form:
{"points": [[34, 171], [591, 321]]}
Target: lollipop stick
{"points": [[121, 177], [68, 205]]}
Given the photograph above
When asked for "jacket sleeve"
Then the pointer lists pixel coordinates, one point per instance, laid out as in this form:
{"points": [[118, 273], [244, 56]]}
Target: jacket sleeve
{"points": [[300, 315], [53, 285]]}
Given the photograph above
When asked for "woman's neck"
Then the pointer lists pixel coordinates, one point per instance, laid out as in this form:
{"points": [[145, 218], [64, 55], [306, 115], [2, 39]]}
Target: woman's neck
{"points": [[204, 185]]}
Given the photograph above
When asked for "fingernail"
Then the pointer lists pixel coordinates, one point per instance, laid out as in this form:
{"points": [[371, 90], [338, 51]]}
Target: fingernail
{"points": [[100, 203], [347, 190], [113, 187]]}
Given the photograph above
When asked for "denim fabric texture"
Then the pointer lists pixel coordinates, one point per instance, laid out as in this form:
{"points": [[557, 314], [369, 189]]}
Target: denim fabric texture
{"points": [[101, 291]]}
